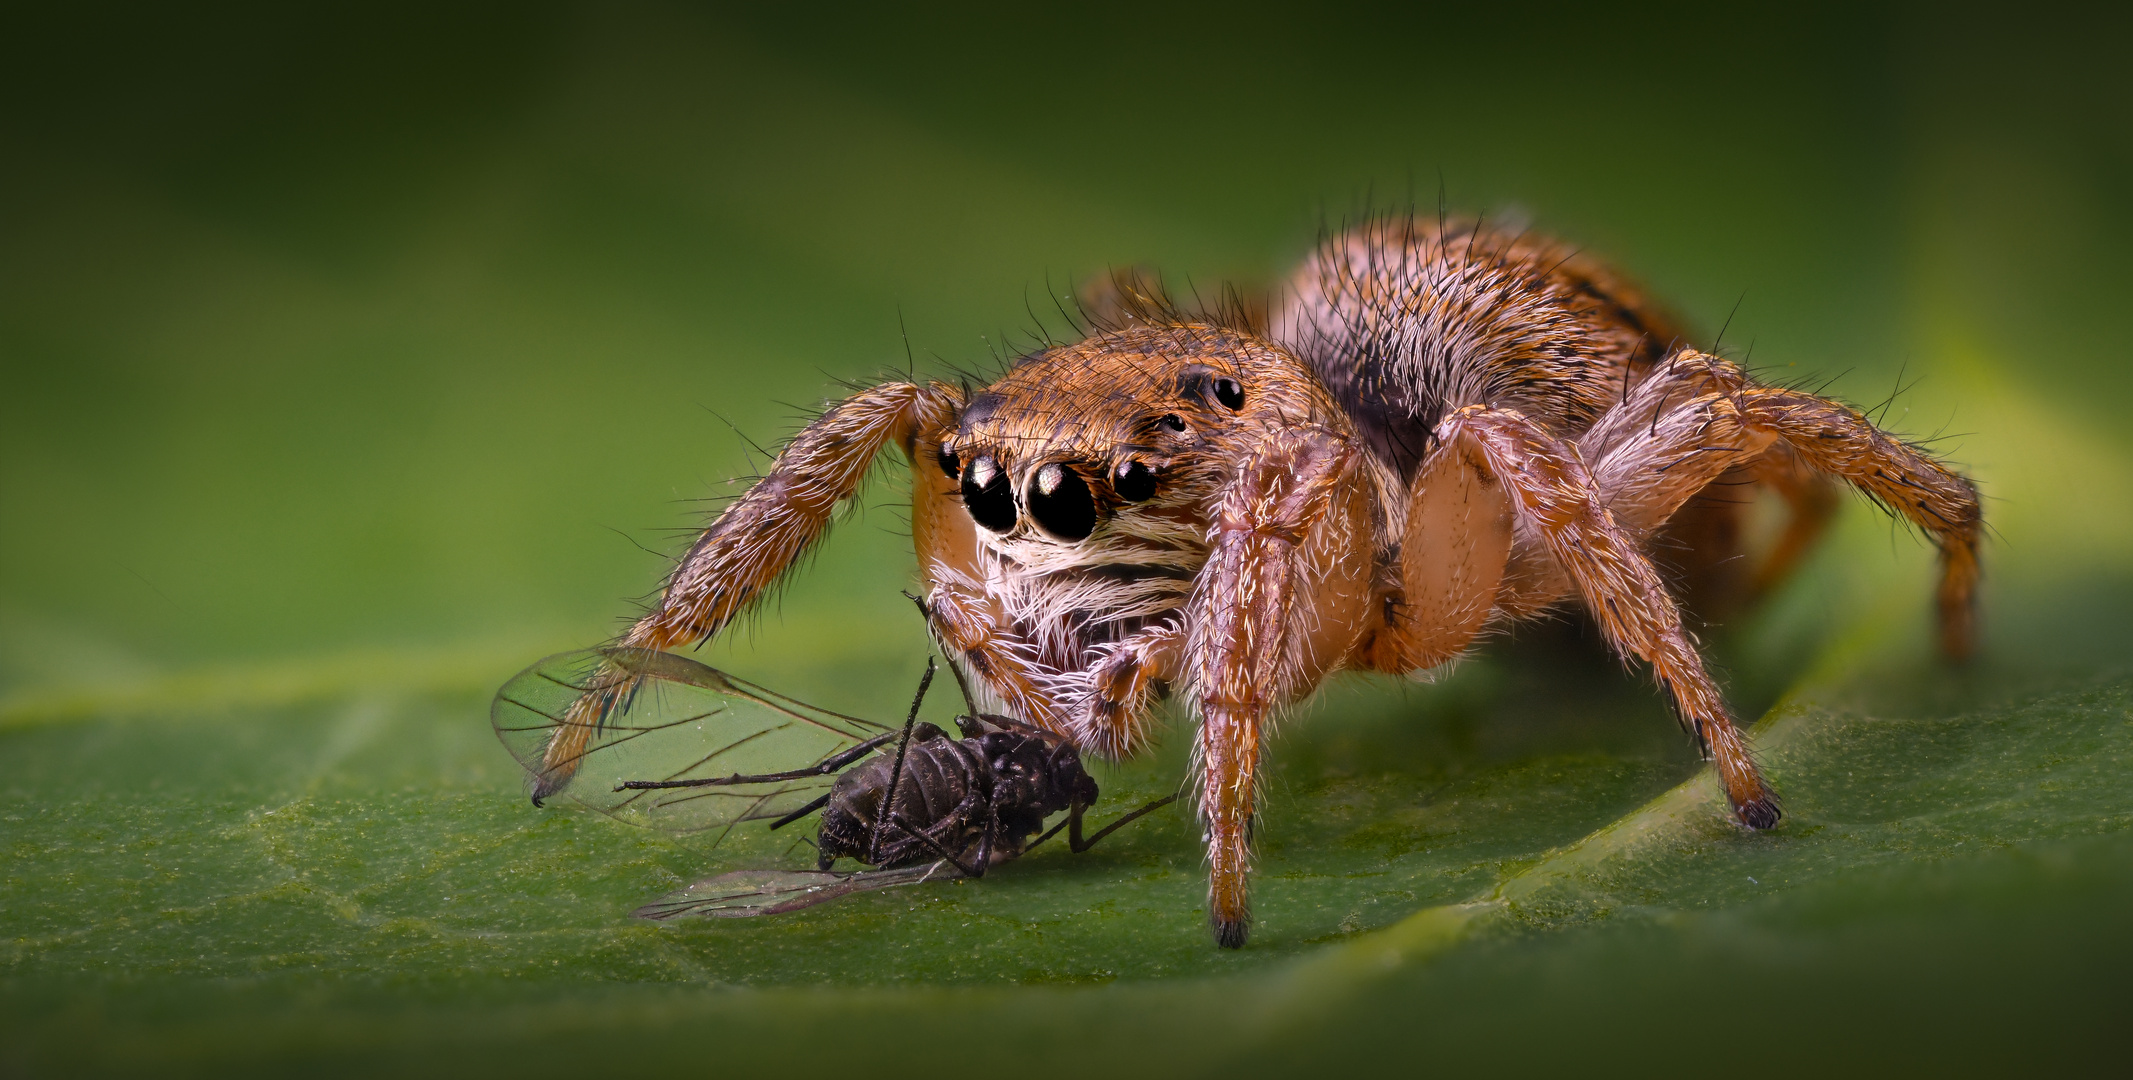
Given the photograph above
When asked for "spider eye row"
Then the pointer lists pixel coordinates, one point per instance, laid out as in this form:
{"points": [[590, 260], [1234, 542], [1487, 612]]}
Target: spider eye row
{"points": [[1058, 498]]}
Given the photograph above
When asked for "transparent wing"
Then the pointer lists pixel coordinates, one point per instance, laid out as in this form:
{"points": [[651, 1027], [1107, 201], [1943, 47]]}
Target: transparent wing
{"points": [[773, 892], [584, 723]]}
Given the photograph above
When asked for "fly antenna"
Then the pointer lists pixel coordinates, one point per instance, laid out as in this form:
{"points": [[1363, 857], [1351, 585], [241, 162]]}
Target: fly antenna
{"points": [[896, 769], [970, 704]]}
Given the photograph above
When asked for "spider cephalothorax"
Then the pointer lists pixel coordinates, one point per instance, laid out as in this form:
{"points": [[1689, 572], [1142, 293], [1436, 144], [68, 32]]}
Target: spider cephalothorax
{"points": [[1440, 427]]}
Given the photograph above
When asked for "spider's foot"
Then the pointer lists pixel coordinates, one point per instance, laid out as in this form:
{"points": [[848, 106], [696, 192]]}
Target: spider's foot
{"points": [[1759, 813]]}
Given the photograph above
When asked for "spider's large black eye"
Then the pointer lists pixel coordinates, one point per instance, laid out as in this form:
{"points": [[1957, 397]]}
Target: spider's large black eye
{"points": [[985, 492], [950, 465], [1230, 393], [1134, 481], [1060, 502], [1170, 422]]}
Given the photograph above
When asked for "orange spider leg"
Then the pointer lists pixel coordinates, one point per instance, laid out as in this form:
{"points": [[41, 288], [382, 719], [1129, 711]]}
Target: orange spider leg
{"points": [[1810, 498], [1551, 491], [1649, 473], [768, 528], [1243, 656], [1835, 439], [761, 534]]}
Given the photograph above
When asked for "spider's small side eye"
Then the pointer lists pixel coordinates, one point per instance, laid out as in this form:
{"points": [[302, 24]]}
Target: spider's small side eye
{"points": [[1134, 481], [951, 466], [1170, 422], [1230, 393]]}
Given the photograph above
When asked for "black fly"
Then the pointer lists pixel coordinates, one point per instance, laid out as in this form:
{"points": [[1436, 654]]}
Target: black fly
{"points": [[683, 750]]}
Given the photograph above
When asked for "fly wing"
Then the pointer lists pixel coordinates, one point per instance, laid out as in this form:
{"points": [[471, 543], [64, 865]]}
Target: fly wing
{"points": [[774, 892], [584, 723]]}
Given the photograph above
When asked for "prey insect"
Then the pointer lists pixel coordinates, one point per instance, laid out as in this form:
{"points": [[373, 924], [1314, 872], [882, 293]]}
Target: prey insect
{"points": [[685, 747], [1434, 429]]}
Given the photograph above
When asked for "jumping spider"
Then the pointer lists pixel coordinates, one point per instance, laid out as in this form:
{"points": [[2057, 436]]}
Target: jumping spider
{"points": [[1435, 429]]}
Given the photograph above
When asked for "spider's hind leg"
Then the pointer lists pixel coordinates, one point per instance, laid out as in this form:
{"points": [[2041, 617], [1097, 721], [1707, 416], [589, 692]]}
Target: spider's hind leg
{"points": [[1648, 457], [1713, 551], [1696, 524]]}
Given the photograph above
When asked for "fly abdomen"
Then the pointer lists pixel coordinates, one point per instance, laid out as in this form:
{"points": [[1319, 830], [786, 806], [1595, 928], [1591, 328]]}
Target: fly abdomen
{"points": [[944, 791]]}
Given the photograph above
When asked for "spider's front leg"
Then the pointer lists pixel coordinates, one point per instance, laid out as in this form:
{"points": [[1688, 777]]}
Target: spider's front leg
{"points": [[778, 519], [1244, 649], [761, 534]]}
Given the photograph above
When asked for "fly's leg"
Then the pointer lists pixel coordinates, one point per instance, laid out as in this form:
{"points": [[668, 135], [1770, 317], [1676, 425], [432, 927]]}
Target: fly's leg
{"points": [[762, 534], [801, 813], [1686, 446], [1079, 844], [1554, 496], [984, 859], [1076, 811], [830, 765], [1242, 659], [1109, 719], [896, 768]]}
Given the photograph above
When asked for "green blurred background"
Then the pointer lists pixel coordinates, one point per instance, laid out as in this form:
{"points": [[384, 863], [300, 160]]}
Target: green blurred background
{"points": [[355, 355]]}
